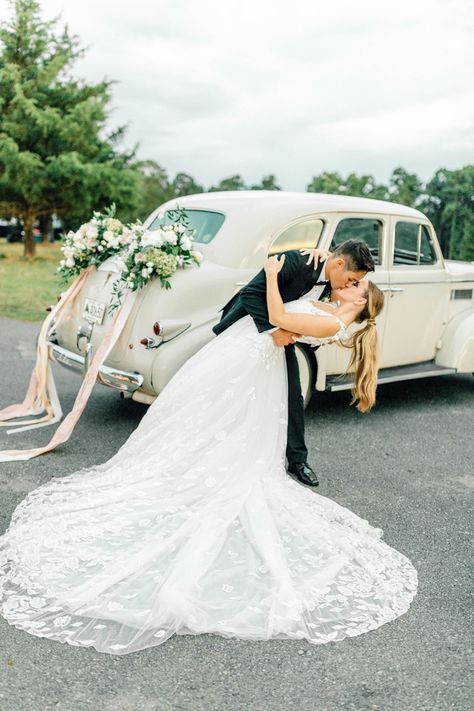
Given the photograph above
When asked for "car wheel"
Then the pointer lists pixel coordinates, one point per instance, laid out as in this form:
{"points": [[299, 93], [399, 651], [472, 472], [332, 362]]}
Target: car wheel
{"points": [[307, 366]]}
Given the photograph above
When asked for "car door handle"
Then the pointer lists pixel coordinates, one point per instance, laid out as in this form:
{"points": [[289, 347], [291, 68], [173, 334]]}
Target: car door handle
{"points": [[396, 288]]}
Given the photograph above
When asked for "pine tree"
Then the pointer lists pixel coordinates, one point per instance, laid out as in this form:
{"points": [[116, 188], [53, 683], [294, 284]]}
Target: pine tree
{"points": [[55, 153]]}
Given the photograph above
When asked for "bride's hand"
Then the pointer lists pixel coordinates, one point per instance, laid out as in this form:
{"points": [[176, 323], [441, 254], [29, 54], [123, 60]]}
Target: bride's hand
{"points": [[316, 255], [273, 265]]}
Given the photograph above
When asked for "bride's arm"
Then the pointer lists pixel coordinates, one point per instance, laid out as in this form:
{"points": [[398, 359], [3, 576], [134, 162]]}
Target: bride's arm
{"points": [[305, 324]]}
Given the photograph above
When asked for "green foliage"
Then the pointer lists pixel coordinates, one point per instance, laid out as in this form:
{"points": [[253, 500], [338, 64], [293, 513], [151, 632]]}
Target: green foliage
{"points": [[154, 188], [268, 183], [449, 203], [27, 287], [355, 185], [235, 182], [405, 188], [467, 242], [55, 153]]}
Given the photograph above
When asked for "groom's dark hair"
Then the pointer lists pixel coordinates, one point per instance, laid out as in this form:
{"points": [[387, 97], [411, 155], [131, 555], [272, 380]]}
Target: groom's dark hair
{"points": [[356, 252]]}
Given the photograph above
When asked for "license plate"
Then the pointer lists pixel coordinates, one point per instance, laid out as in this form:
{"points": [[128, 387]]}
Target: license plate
{"points": [[93, 311]]}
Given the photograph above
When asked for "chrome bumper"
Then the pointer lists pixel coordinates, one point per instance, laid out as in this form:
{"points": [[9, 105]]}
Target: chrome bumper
{"points": [[113, 378]]}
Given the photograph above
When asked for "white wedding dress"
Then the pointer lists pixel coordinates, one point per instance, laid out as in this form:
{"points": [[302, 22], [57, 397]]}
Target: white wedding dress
{"points": [[194, 525]]}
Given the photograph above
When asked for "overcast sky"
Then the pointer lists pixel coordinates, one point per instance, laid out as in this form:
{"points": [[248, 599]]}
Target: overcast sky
{"points": [[294, 88]]}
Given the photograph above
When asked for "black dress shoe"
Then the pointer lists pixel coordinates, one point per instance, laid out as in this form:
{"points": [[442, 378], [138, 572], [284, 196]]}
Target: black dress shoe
{"points": [[304, 473]]}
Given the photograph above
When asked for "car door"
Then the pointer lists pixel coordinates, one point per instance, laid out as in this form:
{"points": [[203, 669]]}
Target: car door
{"points": [[373, 229], [417, 307]]}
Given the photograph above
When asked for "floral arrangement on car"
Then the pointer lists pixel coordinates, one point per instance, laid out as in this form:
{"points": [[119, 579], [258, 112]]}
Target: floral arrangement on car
{"points": [[141, 255], [93, 243], [157, 253]]}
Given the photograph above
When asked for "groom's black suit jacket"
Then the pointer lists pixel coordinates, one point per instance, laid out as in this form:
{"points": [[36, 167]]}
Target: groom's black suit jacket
{"points": [[295, 279]]}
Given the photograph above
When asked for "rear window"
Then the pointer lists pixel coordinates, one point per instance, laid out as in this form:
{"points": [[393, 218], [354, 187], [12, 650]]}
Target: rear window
{"points": [[203, 224]]}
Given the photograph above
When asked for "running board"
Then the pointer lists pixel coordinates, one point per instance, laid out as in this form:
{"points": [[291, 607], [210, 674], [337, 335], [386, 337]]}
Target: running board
{"points": [[392, 375]]}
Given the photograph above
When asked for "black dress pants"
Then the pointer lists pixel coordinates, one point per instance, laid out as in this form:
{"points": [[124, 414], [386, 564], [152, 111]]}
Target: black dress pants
{"points": [[296, 451]]}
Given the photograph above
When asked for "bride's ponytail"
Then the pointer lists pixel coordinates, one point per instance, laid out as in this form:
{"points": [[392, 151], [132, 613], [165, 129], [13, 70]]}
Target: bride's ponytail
{"points": [[365, 352]]}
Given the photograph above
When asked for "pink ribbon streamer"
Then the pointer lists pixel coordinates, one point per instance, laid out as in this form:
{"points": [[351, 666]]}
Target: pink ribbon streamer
{"points": [[36, 399], [65, 429]]}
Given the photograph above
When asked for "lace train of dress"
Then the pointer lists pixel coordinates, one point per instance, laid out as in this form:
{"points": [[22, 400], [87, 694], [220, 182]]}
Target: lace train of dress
{"points": [[194, 526]]}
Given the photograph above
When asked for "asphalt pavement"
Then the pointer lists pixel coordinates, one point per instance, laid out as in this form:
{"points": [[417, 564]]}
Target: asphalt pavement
{"points": [[407, 468]]}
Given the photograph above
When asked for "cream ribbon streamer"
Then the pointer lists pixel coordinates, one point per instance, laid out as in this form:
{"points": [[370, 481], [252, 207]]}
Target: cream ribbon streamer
{"points": [[38, 389], [41, 395]]}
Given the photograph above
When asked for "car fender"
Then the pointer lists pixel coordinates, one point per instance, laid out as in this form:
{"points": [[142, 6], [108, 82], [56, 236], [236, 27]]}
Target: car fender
{"points": [[457, 349], [172, 355]]}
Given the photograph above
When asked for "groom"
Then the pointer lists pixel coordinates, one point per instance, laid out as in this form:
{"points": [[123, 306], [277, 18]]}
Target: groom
{"points": [[346, 265]]}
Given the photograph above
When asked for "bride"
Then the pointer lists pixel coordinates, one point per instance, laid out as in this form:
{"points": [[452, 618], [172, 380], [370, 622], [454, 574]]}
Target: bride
{"points": [[194, 526]]}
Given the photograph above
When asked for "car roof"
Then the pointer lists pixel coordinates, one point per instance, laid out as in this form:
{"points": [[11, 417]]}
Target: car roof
{"points": [[283, 200]]}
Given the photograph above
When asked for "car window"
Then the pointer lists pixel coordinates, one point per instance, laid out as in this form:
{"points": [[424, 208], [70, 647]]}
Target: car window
{"points": [[204, 224], [303, 235], [413, 245], [368, 229]]}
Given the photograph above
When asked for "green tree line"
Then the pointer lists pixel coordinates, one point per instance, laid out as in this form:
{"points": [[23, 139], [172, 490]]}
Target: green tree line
{"points": [[58, 157]]}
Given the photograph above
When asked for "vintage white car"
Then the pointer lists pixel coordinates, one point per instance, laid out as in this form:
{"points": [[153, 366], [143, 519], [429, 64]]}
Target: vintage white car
{"points": [[426, 328]]}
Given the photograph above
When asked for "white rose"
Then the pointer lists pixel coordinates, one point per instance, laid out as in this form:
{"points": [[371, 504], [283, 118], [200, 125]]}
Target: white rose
{"points": [[185, 242], [179, 228], [91, 231], [153, 239], [144, 272], [69, 262], [171, 237], [109, 236]]}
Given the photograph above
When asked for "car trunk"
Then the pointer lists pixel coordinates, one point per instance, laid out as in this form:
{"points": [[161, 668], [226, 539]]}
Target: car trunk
{"points": [[189, 293]]}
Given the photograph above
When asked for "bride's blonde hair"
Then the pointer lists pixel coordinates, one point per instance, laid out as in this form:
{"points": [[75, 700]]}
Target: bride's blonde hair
{"points": [[365, 351]]}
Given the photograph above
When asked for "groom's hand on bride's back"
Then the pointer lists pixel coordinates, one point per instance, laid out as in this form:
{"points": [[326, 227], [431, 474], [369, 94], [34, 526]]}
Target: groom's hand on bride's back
{"points": [[283, 338]]}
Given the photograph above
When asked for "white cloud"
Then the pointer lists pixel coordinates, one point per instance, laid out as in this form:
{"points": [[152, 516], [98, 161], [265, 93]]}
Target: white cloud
{"points": [[253, 87]]}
